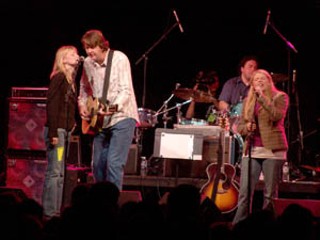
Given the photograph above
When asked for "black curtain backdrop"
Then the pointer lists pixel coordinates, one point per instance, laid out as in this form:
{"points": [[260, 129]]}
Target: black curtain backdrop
{"points": [[216, 35]]}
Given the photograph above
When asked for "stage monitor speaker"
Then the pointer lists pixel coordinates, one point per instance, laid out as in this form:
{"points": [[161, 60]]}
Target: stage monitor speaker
{"points": [[27, 117], [27, 175], [282, 203]]}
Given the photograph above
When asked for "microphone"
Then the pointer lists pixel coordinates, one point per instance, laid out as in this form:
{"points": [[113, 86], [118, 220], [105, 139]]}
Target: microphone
{"points": [[258, 91], [267, 22], [178, 21], [80, 60]]}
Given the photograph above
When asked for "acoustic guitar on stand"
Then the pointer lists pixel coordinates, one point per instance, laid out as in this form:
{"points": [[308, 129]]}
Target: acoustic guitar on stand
{"points": [[221, 187], [94, 122]]}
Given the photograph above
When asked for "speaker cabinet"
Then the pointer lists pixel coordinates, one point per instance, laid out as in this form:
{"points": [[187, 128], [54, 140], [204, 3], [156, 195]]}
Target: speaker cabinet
{"points": [[187, 152], [27, 117], [27, 175]]}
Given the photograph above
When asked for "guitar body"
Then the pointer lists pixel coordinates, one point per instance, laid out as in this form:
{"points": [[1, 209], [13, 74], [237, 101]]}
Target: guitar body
{"points": [[221, 187], [95, 121]]}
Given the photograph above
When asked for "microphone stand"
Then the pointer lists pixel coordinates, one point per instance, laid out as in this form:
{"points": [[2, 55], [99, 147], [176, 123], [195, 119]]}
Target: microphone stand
{"points": [[292, 48], [300, 134], [164, 107], [145, 58], [249, 147]]}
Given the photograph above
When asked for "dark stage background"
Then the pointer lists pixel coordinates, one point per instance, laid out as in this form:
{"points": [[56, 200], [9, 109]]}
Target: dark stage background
{"points": [[216, 35]]}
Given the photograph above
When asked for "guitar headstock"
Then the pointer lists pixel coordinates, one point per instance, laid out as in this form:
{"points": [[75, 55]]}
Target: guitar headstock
{"points": [[223, 120]]}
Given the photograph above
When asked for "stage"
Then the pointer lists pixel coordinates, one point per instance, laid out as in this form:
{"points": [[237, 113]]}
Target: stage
{"points": [[290, 189]]}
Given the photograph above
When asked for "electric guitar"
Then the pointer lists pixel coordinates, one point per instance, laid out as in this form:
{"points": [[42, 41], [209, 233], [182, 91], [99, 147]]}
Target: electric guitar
{"points": [[221, 187], [94, 122]]}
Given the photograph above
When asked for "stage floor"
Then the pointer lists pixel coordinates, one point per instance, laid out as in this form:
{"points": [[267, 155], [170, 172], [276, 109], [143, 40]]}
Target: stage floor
{"points": [[291, 189]]}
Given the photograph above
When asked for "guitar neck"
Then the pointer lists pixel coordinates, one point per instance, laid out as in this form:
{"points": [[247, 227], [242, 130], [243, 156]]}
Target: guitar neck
{"points": [[223, 146]]}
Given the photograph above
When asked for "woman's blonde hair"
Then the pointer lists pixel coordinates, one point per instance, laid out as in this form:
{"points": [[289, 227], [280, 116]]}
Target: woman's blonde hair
{"points": [[252, 96], [59, 67]]}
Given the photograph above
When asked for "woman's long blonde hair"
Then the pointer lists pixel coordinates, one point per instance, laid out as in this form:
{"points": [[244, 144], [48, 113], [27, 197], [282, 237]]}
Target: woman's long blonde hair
{"points": [[252, 97], [58, 65]]}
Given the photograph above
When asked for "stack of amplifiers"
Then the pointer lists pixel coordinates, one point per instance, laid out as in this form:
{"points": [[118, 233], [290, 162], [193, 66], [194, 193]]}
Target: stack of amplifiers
{"points": [[200, 144], [26, 161]]}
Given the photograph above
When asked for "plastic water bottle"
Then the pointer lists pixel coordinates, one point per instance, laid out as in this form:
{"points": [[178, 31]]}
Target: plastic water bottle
{"points": [[285, 172], [143, 166]]}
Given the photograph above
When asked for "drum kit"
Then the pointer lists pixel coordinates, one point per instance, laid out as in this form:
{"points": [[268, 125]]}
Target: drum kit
{"points": [[149, 118]]}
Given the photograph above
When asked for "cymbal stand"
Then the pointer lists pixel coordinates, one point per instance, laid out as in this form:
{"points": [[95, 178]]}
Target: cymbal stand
{"points": [[178, 105], [165, 117], [179, 113], [164, 107]]}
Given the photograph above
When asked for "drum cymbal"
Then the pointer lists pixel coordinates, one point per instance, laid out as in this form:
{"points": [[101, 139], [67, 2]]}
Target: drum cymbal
{"points": [[279, 77], [196, 95]]}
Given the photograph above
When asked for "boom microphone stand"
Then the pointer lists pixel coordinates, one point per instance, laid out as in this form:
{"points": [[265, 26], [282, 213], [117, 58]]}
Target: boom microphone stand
{"points": [[293, 49], [145, 57]]}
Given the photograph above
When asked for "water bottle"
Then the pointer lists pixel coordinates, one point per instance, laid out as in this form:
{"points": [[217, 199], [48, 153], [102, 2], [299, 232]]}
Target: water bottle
{"points": [[285, 172], [143, 166]]}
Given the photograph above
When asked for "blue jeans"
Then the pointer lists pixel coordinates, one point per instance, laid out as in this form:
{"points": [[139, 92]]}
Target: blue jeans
{"points": [[110, 152], [271, 169], [54, 178]]}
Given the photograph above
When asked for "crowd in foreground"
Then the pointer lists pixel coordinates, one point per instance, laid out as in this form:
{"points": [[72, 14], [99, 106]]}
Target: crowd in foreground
{"points": [[94, 213]]}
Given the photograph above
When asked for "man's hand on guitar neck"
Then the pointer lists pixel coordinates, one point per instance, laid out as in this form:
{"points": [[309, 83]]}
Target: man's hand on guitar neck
{"points": [[106, 110], [102, 111]]}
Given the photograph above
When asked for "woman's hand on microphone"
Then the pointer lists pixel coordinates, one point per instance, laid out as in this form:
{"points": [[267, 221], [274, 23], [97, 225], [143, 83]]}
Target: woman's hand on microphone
{"points": [[251, 126]]}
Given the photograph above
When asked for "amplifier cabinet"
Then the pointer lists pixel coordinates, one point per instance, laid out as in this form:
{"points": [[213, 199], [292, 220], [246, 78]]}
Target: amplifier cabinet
{"points": [[174, 147], [26, 122], [29, 92], [27, 175]]}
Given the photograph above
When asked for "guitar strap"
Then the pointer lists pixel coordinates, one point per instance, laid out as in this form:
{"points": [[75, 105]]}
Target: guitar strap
{"points": [[106, 78]]}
